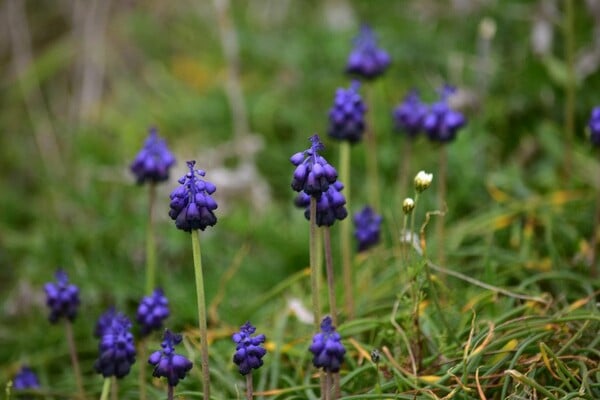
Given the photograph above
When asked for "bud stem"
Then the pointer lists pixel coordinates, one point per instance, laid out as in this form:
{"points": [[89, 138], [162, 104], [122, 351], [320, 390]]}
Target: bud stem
{"points": [[249, 387], [105, 389], [201, 313]]}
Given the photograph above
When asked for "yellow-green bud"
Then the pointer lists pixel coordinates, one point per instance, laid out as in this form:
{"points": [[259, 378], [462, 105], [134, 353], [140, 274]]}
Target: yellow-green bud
{"points": [[423, 181], [408, 205]]}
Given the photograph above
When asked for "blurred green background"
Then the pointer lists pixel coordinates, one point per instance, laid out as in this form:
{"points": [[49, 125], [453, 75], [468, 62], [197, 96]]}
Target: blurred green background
{"points": [[83, 81]]}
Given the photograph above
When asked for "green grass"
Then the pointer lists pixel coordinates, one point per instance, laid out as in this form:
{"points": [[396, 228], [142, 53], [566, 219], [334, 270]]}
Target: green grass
{"points": [[517, 314]]}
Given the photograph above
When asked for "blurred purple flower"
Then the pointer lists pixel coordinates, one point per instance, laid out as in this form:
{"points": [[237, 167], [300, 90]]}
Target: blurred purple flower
{"points": [[442, 122], [191, 204], [409, 115], [62, 298], [347, 116], [167, 363], [153, 161], [594, 125], [366, 59], [117, 349], [331, 206], [26, 379], [152, 311], [367, 226]]}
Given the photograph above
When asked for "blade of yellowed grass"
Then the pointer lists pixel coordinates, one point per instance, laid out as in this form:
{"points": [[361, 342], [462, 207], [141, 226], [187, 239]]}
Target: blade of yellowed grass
{"points": [[524, 379], [479, 389]]}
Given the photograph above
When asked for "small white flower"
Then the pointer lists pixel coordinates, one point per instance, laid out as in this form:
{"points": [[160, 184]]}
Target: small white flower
{"points": [[423, 181], [408, 205]]}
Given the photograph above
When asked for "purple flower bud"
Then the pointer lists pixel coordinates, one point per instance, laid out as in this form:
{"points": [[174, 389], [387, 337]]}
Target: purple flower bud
{"points": [[347, 116], [367, 228], [409, 115], [167, 363], [331, 206], [594, 125], [152, 311], [62, 298], [327, 348], [367, 60], [441, 122], [191, 205], [26, 379], [152, 163], [116, 348], [248, 351], [313, 174]]}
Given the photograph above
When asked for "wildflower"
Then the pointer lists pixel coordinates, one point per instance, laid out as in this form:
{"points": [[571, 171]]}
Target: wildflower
{"points": [[409, 115], [408, 205], [152, 311], [248, 351], [327, 347], [191, 204], [366, 59], [153, 161], [594, 126], [105, 321], [167, 363], [117, 349], [313, 173], [331, 206], [347, 116], [26, 379], [62, 298], [442, 122], [367, 226], [423, 181]]}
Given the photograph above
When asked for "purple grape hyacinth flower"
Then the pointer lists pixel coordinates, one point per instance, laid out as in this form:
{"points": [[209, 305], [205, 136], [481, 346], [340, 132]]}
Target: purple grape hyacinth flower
{"points": [[366, 59], [248, 351], [327, 348], [152, 311], [191, 204], [367, 228], [409, 115], [154, 160], [594, 126], [442, 122], [331, 206], [62, 298], [26, 379], [167, 363], [313, 174], [347, 116], [117, 349]]}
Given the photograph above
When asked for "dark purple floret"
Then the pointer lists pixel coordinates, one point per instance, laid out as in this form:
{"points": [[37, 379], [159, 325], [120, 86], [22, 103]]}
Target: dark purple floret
{"points": [[105, 321], [154, 160], [409, 115], [331, 206], [594, 125], [367, 227], [191, 204], [347, 116], [152, 311], [116, 348], [167, 363], [62, 298], [442, 122], [366, 59], [26, 379], [313, 174], [327, 347], [248, 351]]}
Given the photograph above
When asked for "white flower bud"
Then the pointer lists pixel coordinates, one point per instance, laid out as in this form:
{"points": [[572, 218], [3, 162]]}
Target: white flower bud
{"points": [[423, 181], [408, 205]]}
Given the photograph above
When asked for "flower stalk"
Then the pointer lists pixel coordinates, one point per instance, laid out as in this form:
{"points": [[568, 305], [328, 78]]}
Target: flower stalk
{"points": [[201, 302]]}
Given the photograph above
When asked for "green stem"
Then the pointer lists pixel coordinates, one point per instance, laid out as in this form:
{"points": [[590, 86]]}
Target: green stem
{"points": [[570, 84], [413, 234], [347, 271], [329, 270], [442, 189], [371, 152], [114, 393], [150, 243], [142, 374], [249, 387], [314, 265], [201, 313], [74, 359], [105, 389]]}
